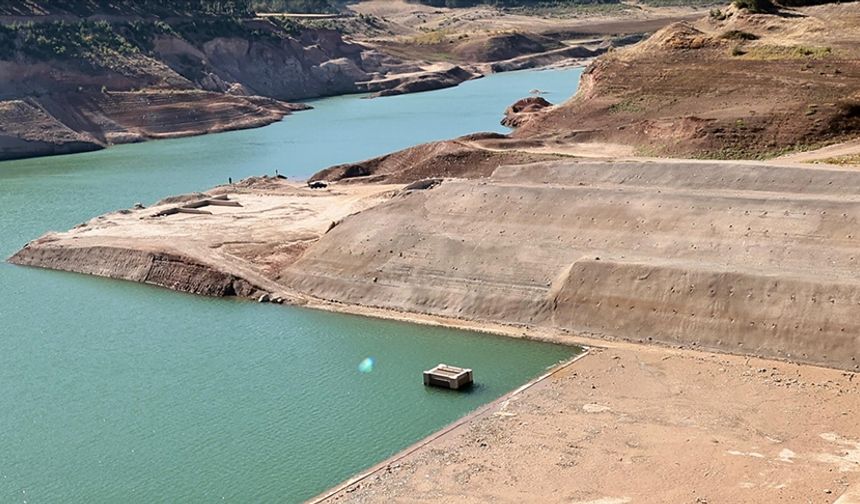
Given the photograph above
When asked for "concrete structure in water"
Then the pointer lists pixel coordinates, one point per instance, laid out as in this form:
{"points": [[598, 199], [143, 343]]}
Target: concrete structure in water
{"points": [[446, 376]]}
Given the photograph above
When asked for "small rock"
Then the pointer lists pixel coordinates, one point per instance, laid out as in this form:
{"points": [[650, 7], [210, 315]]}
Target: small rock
{"points": [[265, 298]]}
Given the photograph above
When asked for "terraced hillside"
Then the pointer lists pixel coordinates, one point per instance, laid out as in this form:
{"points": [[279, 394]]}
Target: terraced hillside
{"points": [[738, 257]]}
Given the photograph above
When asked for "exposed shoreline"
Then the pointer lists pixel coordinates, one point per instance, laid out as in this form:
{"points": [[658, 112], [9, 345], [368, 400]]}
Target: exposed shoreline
{"points": [[268, 111], [482, 411], [382, 481], [260, 249], [670, 437]]}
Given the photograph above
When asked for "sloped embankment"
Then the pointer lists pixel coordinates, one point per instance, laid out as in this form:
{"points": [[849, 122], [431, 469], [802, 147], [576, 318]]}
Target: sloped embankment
{"points": [[736, 257], [739, 257]]}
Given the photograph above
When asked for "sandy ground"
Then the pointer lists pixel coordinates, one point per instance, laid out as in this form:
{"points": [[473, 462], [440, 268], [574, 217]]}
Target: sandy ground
{"points": [[635, 424]]}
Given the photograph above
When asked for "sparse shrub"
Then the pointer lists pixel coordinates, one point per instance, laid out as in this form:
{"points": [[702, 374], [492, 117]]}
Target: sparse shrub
{"points": [[717, 14], [775, 52], [754, 5], [739, 35]]}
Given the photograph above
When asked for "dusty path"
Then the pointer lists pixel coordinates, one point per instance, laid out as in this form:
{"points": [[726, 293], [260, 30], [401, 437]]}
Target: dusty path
{"points": [[634, 424], [830, 153]]}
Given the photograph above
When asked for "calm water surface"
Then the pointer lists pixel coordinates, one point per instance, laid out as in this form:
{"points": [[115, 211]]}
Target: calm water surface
{"points": [[117, 392]]}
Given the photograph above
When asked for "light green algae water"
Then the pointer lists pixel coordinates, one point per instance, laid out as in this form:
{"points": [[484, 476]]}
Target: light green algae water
{"points": [[117, 392]]}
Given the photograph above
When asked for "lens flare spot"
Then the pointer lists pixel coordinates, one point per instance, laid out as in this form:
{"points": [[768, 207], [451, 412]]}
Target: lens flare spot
{"points": [[366, 366]]}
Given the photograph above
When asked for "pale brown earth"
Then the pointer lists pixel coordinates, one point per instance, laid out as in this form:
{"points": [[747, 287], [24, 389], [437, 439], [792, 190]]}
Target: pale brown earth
{"points": [[745, 258], [410, 19], [234, 251], [633, 424], [845, 153], [651, 262]]}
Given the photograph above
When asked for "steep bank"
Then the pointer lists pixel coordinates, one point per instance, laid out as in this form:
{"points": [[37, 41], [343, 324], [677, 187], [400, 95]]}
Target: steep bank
{"points": [[725, 257]]}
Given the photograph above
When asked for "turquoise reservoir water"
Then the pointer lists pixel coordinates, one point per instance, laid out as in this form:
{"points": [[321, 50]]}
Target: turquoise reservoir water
{"points": [[118, 392]]}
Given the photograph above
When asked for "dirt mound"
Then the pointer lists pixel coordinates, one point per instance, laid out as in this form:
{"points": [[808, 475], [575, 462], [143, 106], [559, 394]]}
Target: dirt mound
{"points": [[676, 37], [523, 110], [452, 158], [504, 46]]}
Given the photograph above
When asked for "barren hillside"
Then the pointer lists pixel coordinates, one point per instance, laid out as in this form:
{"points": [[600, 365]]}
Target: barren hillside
{"points": [[732, 85]]}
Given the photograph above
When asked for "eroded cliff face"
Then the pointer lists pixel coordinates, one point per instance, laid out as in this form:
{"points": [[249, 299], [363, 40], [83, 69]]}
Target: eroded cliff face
{"points": [[311, 64], [89, 84], [162, 269]]}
